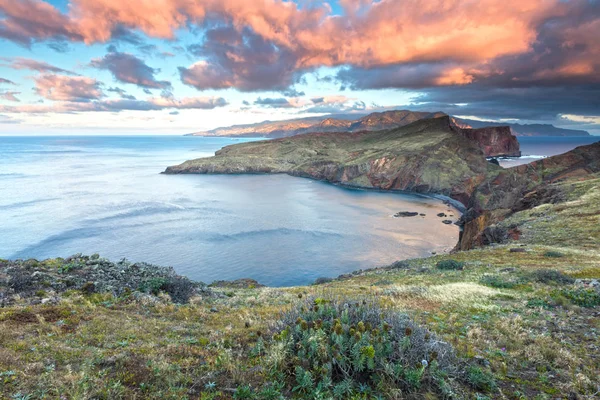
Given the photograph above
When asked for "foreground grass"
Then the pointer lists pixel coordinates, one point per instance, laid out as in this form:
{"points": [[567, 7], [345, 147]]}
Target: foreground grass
{"points": [[522, 331]]}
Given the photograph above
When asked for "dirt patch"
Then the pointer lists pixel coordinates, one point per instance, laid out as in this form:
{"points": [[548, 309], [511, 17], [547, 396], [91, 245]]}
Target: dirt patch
{"points": [[22, 317]]}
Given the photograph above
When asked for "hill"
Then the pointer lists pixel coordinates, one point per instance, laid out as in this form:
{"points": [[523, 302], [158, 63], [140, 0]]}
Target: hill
{"points": [[529, 129], [371, 122]]}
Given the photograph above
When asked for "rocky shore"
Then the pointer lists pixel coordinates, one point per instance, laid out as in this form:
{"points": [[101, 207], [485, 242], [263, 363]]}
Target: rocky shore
{"points": [[430, 156], [47, 281]]}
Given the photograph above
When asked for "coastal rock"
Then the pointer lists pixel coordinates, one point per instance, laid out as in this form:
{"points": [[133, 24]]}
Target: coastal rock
{"points": [[427, 156], [431, 156], [406, 214], [243, 283], [44, 281], [447, 222], [495, 141], [523, 187]]}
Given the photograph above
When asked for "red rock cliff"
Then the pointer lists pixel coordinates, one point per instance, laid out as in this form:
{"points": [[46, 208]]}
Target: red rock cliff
{"points": [[495, 141]]}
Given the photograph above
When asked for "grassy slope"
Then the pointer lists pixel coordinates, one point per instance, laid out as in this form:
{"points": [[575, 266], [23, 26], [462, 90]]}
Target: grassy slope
{"points": [[426, 153], [537, 342]]}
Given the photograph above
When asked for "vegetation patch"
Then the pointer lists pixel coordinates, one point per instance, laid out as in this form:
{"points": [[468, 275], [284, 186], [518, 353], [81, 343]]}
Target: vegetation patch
{"points": [[582, 297], [450, 265], [551, 276], [500, 282], [333, 348], [553, 254]]}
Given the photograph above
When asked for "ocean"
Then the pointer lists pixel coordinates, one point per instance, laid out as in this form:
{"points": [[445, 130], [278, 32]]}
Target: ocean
{"points": [[534, 148], [80, 194]]}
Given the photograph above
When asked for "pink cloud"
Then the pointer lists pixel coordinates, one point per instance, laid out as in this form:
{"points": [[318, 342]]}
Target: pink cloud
{"points": [[10, 96], [68, 88], [289, 39], [111, 105], [21, 63], [29, 20]]}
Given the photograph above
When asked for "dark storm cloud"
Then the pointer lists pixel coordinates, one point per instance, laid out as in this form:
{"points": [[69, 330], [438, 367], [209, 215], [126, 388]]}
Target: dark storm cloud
{"points": [[127, 68], [241, 60], [534, 103]]}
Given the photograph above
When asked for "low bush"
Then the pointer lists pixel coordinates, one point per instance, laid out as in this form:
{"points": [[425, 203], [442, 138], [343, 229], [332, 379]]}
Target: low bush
{"points": [[340, 349], [582, 297], [322, 280], [21, 281], [553, 254], [480, 379], [499, 282], [178, 287], [550, 276], [450, 265]]}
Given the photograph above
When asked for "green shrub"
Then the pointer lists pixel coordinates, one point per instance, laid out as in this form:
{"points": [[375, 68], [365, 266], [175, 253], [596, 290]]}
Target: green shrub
{"points": [[582, 297], [178, 287], [480, 379], [322, 280], [497, 281], [335, 348], [537, 303], [553, 254], [549, 276], [450, 265], [243, 392]]}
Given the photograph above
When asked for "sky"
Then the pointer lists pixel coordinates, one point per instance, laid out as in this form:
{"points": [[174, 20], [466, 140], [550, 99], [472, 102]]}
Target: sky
{"points": [[180, 66]]}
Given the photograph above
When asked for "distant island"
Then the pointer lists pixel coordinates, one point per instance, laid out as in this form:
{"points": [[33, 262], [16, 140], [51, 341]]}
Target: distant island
{"points": [[371, 122]]}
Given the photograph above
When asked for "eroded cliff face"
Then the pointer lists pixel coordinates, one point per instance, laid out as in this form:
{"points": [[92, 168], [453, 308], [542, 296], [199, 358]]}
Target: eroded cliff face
{"points": [[427, 156], [523, 187], [495, 141]]}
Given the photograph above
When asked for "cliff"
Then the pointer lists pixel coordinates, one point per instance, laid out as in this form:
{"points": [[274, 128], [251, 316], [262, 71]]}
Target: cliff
{"points": [[372, 122], [427, 156], [495, 141], [523, 187], [529, 129]]}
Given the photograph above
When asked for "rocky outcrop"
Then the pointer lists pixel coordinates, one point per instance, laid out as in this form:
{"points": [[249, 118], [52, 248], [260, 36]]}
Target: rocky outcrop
{"points": [[526, 129], [507, 191], [495, 141], [46, 281], [427, 156]]}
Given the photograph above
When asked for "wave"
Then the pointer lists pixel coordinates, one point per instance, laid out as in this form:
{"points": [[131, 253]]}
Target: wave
{"points": [[525, 157], [269, 232], [26, 203]]}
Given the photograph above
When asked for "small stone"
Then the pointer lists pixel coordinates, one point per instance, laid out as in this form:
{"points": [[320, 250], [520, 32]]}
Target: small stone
{"points": [[406, 214], [518, 250], [441, 215], [213, 310], [447, 222]]}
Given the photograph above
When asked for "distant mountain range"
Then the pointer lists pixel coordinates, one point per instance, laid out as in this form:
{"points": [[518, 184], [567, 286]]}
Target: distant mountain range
{"points": [[371, 122], [528, 129]]}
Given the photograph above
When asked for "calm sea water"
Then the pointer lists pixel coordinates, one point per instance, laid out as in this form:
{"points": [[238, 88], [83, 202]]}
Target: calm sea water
{"points": [[534, 148], [65, 195]]}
